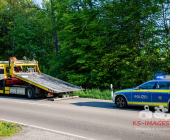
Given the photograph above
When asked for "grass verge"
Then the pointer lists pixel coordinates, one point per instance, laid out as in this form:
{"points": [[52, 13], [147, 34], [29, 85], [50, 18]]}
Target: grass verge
{"points": [[7, 129], [94, 93]]}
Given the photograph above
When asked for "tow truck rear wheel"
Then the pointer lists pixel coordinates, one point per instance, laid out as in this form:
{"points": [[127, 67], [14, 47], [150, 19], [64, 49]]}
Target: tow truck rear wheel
{"points": [[30, 93], [121, 101]]}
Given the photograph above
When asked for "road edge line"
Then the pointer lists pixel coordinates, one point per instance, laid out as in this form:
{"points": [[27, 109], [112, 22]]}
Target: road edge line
{"points": [[46, 129]]}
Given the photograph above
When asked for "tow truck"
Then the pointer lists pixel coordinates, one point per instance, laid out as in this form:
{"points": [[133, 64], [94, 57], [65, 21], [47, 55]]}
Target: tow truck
{"points": [[23, 77]]}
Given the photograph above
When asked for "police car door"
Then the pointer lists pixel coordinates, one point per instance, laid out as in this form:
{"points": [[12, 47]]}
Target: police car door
{"points": [[142, 94], [161, 95]]}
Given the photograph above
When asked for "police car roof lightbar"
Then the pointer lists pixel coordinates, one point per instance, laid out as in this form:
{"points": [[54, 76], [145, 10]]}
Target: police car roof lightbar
{"points": [[162, 77]]}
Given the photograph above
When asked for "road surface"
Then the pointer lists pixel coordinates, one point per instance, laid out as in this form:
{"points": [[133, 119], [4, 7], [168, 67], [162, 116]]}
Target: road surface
{"points": [[83, 118]]}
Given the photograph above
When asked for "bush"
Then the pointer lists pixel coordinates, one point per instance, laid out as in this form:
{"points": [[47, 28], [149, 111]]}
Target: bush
{"points": [[94, 93]]}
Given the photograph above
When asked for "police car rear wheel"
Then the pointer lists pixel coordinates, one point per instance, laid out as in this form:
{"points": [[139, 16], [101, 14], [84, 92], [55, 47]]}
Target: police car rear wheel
{"points": [[121, 102]]}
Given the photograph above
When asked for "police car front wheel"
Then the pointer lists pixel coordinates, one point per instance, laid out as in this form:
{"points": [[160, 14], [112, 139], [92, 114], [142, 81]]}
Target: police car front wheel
{"points": [[121, 102]]}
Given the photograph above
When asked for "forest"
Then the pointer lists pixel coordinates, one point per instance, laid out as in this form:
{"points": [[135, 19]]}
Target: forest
{"points": [[89, 43]]}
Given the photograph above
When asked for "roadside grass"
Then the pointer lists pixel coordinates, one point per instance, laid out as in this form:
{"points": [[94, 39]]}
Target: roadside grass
{"points": [[94, 93], [7, 129]]}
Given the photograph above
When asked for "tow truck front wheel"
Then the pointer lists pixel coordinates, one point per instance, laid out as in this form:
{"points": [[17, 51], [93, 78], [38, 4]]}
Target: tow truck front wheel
{"points": [[30, 93], [121, 102]]}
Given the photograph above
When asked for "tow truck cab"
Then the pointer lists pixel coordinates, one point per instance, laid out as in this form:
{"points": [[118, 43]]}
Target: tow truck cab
{"points": [[4, 69]]}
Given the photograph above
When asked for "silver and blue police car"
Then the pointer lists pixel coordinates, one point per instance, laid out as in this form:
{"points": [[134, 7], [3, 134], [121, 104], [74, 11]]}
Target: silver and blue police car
{"points": [[153, 93]]}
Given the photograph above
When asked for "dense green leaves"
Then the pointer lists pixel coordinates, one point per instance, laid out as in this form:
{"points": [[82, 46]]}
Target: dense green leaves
{"points": [[124, 42]]}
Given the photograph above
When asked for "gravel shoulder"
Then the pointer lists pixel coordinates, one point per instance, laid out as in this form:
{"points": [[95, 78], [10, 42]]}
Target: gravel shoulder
{"points": [[29, 133]]}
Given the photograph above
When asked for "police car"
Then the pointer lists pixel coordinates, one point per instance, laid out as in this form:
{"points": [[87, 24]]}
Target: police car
{"points": [[153, 93]]}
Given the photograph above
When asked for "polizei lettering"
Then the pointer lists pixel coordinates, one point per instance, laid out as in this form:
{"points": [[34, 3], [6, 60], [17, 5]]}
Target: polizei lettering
{"points": [[141, 96]]}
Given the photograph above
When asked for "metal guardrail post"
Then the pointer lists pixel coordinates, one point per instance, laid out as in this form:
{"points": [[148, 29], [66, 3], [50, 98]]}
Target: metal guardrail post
{"points": [[111, 86]]}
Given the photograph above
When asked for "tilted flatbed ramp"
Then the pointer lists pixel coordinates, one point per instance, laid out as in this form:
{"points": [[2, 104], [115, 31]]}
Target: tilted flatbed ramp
{"points": [[46, 82]]}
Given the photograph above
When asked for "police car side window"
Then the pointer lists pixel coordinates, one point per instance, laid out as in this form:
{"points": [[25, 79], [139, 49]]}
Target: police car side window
{"points": [[150, 85], [163, 85]]}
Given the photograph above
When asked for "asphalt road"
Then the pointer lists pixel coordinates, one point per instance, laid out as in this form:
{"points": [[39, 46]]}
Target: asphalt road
{"points": [[84, 118]]}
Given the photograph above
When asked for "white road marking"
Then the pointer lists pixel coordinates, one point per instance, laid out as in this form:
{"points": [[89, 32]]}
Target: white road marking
{"points": [[31, 103], [47, 129]]}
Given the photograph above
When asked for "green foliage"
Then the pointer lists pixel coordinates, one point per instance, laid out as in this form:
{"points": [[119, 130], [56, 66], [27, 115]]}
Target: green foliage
{"points": [[7, 129], [100, 42], [111, 42], [94, 93]]}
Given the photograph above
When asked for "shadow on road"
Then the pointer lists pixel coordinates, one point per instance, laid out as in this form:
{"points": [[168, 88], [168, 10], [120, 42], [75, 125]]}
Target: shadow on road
{"points": [[12, 96], [110, 105], [97, 104]]}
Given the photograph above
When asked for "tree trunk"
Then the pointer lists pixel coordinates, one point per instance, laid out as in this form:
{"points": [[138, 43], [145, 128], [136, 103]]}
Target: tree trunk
{"points": [[166, 29], [13, 44], [55, 32]]}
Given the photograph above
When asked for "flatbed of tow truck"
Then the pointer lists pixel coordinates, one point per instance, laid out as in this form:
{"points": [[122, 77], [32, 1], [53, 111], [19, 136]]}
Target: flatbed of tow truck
{"points": [[23, 77]]}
